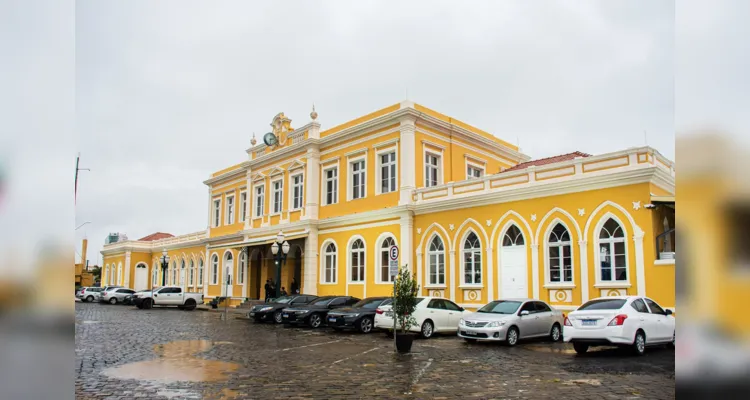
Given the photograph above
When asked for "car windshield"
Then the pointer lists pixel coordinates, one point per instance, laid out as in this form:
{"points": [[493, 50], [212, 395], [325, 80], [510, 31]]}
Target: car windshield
{"points": [[284, 299], [500, 307], [603, 304], [322, 301], [369, 303]]}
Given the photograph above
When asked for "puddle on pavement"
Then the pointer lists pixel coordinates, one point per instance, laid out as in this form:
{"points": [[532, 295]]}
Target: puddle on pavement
{"points": [[550, 349], [176, 362], [87, 322]]}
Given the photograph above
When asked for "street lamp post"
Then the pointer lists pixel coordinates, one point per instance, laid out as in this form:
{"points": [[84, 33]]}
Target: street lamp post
{"points": [[164, 266], [279, 257]]}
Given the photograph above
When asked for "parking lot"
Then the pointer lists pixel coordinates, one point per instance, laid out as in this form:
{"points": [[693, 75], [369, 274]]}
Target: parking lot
{"points": [[123, 352]]}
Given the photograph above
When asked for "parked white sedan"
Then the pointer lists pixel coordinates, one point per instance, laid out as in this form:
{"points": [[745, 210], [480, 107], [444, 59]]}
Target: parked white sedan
{"points": [[621, 321], [509, 320], [433, 314]]}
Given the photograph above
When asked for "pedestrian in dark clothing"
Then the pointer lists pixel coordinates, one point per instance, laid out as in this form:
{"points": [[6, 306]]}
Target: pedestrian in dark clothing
{"points": [[295, 286], [283, 291], [268, 289], [273, 289]]}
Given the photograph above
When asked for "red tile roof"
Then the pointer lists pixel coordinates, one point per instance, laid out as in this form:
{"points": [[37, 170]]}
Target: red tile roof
{"points": [[548, 160], [156, 236]]}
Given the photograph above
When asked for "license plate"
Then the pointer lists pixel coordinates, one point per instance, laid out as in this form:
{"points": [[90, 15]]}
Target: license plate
{"points": [[285, 315], [588, 322], [470, 333], [252, 313], [389, 314], [331, 319]]}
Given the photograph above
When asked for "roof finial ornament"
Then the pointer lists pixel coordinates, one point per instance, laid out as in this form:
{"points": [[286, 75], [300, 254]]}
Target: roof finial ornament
{"points": [[253, 141], [314, 114]]}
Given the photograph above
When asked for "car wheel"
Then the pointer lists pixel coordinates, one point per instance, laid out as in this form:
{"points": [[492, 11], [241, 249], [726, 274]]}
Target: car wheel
{"points": [[555, 334], [511, 338], [277, 318], [427, 329], [315, 321], [580, 348], [148, 304], [89, 299], [365, 325], [639, 344], [140, 306], [190, 305], [113, 301]]}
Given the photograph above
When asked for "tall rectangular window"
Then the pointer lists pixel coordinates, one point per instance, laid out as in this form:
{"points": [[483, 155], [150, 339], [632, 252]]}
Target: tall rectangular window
{"points": [[278, 195], [473, 172], [230, 210], [358, 179], [388, 172], [431, 170], [243, 206], [297, 191], [217, 212], [332, 185], [260, 197]]}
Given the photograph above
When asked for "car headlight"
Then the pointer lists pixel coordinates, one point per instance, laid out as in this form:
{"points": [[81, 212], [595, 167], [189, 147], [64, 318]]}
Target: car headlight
{"points": [[461, 321], [266, 309], [353, 315], [303, 311], [495, 324]]}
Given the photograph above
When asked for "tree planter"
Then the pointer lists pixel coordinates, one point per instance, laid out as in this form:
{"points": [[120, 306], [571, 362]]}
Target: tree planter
{"points": [[404, 342]]}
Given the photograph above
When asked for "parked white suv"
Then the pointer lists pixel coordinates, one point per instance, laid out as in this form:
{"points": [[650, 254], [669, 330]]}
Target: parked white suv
{"points": [[89, 294], [168, 296], [116, 295], [633, 321]]}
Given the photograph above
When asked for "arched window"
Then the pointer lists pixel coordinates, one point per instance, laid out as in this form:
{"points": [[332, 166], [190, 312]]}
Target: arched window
{"points": [[215, 270], [612, 259], [241, 270], [174, 273], [385, 259], [559, 255], [513, 237], [155, 274], [472, 258], [436, 261], [200, 272], [119, 274], [182, 273], [357, 258], [191, 273], [329, 264], [228, 267]]}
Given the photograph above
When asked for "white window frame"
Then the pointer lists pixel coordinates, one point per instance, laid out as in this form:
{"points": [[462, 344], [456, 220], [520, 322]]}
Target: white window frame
{"points": [[214, 269], [293, 186], [241, 268], [324, 191], [435, 153], [350, 257], [471, 166], [437, 253], [201, 270], [231, 209], [262, 201], [350, 176], [191, 273], [174, 273], [482, 261], [224, 262], [155, 275], [562, 283], [324, 254], [216, 212], [243, 205], [379, 169], [475, 164], [379, 250], [597, 256], [280, 181]]}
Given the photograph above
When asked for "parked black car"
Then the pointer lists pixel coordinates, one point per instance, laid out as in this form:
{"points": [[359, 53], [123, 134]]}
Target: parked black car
{"points": [[128, 300], [272, 311], [360, 316], [314, 314]]}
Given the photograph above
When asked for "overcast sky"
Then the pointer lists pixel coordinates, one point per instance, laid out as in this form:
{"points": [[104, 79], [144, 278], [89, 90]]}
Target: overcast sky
{"points": [[168, 92]]}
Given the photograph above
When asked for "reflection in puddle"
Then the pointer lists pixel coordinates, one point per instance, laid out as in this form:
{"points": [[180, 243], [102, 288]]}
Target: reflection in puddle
{"points": [[176, 362], [562, 349]]}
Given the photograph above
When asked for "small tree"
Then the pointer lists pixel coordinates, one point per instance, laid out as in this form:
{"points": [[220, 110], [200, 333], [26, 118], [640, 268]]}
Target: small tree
{"points": [[405, 299]]}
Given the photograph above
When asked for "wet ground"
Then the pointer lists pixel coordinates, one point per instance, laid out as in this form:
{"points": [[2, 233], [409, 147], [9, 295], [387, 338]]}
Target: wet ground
{"points": [[126, 353]]}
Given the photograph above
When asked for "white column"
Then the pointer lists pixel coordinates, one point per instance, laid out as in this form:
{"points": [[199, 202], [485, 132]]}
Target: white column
{"points": [[490, 275], [310, 268], [535, 269], [407, 164], [206, 268], [248, 202], [312, 183], [640, 267], [208, 225], [454, 281], [583, 250], [419, 270], [406, 248], [127, 270]]}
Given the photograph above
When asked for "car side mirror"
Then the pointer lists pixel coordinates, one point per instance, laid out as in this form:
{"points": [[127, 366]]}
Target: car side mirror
{"points": [[669, 312], [524, 312]]}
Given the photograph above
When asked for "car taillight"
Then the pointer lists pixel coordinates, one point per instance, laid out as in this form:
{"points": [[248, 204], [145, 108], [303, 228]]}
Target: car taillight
{"points": [[567, 322], [378, 311], [618, 320]]}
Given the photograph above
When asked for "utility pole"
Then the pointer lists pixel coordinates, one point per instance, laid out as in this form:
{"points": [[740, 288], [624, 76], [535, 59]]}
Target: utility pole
{"points": [[75, 190]]}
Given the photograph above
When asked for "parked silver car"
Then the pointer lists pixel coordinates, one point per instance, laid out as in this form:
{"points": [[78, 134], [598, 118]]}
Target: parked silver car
{"points": [[89, 294], [115, 295], [512, 319]]}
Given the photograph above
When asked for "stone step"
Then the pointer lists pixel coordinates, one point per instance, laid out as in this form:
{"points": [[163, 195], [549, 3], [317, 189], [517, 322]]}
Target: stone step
{"points": [[250, 303]]}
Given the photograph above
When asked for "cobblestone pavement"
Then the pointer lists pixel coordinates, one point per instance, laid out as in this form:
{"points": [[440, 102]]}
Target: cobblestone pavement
{"points": [[273, 362]]}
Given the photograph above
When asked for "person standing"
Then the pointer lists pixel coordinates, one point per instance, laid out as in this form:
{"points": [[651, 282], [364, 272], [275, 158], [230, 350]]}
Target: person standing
{"points": [[273, 289], [283, 291], [294, 287], [268, 289]]}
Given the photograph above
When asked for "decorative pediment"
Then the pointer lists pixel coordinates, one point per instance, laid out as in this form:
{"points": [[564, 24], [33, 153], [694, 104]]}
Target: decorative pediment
{"points": [[276, 171], [281, 124], [258, 177], [296, 164]]}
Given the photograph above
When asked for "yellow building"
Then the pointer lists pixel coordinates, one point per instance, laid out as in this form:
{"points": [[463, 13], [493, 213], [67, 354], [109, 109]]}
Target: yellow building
{"points": [[474, 218]]}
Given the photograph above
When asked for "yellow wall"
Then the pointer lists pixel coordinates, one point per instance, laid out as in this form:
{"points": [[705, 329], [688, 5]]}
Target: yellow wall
{"points": [[222, 193]]}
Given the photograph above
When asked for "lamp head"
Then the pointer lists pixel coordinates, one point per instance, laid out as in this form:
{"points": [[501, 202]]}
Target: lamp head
{"points": [[275, 248], [280, 237], [285, 247]]}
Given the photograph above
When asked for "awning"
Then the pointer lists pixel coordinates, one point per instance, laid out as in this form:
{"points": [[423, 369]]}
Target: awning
{"points": [[259, 241], [662, 199]]}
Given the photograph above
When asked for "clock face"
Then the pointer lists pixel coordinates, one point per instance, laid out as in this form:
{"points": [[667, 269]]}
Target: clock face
{"points": [[270, 139]]}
